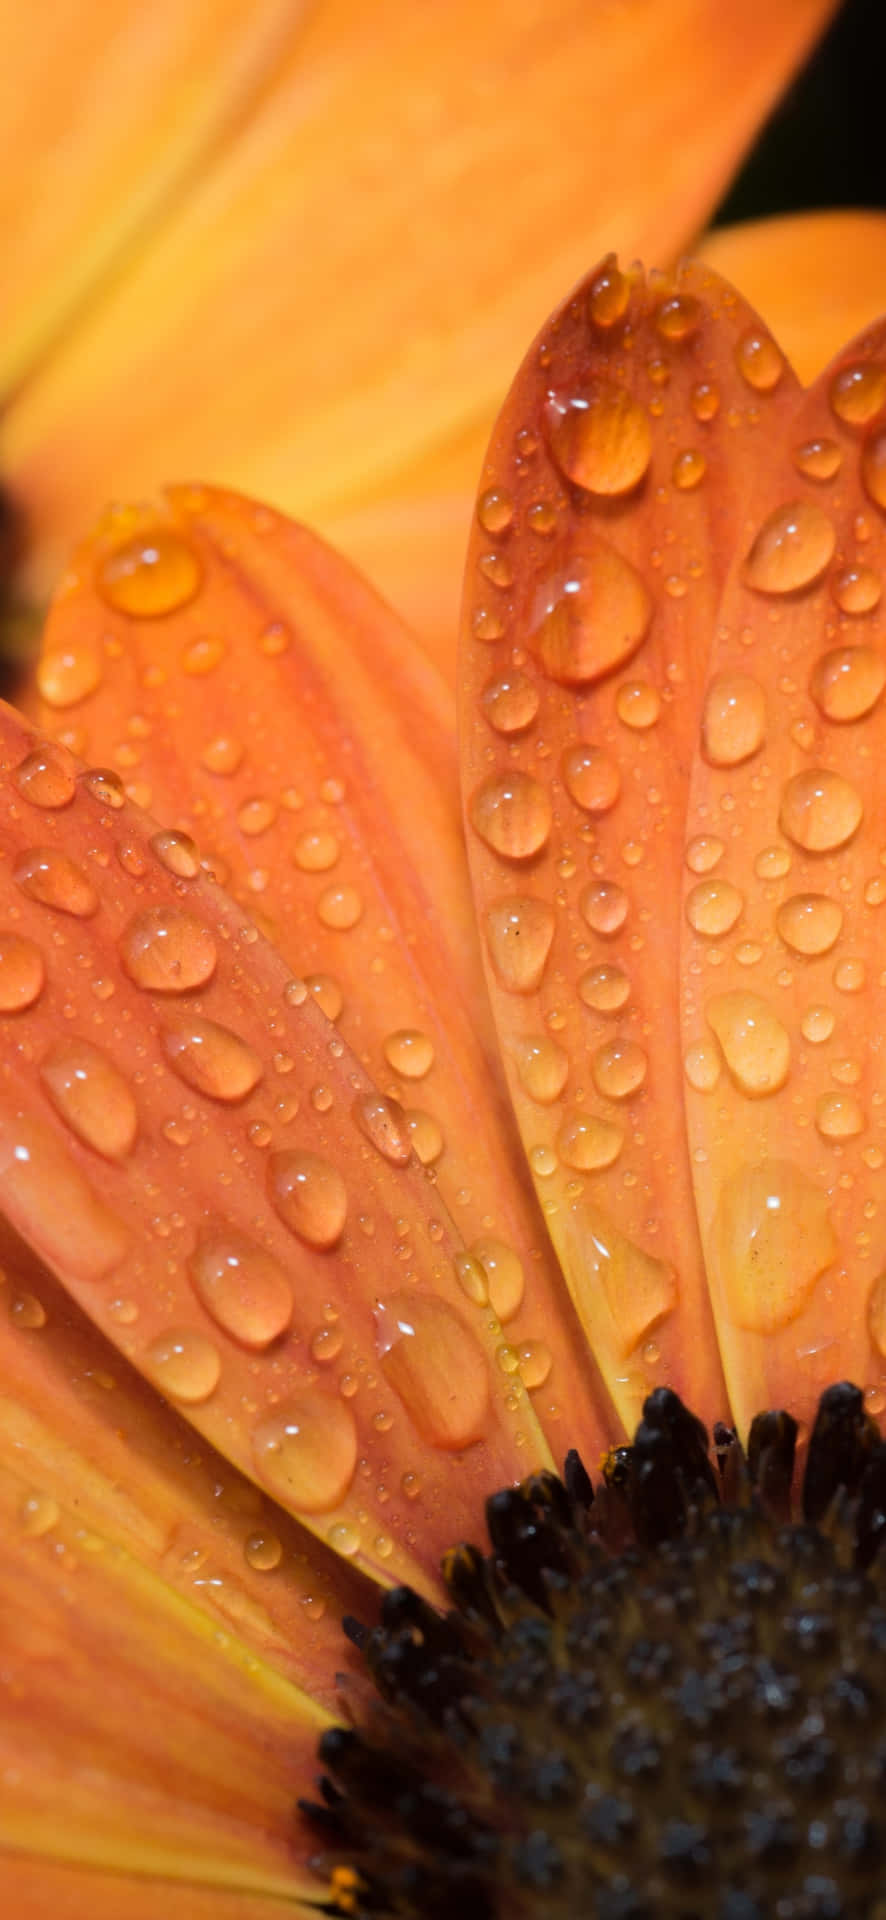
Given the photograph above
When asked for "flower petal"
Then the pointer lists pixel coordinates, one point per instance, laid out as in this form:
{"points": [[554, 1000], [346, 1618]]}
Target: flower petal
{"points": [[133, 1735], [300, 1307], [339, 288], [285, 717], [38, 1887], [818, 277]]}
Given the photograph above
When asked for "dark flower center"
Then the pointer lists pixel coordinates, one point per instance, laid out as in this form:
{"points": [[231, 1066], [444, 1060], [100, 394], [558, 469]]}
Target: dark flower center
{"points": [[661, 1697]]}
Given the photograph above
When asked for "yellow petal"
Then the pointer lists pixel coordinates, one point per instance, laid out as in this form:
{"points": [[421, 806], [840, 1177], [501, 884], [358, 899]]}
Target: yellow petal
{"points": [[334, 301], [818, 277], [36, 1888]]}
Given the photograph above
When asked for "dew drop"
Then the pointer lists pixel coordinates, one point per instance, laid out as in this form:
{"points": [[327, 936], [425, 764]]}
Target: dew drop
{"points": [[713, 907], [678, 317], [733, 723], [817, 1025], [106, 787], [519, 936], [167, 951], [497, 568], [426, 1137], [22, 972], [754, 1042], [838, 1116], [587, 1143], [608, 295], [47, 875], [705, 400], [858, 393], [326, 1345], [591, 779], [67, 675], [504, 1274], [383, 1123], [511, 812], [471, 1277], [409, 1052], [535, 1362], [772, 863], [759, 361], [604, 906], [818, 459], [606, 989], [873, 468], [793, 548], [326, 992], [306, 1452], [436, 1368], [495, 510], [819, 810], [600, 438], [263, 1552], [256, 815], [542, 1067], [310, 1196], [316, 852], [688, 470], [857, 589], [809, 923], [185, 1365], [847, 682], [619, 1069], [702, 1065], [211, 1058], [25, 1310], [510, 704], [339, 908], [638, 704], [153, 574], [46, 777], [92, 1096], [202, 655], [703, 853], [222, 754], [850, 976], [177, 853], [242, 1287], [589, 616], [772, 1237]]}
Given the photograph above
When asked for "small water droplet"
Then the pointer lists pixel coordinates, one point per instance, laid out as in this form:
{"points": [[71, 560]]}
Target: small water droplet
{"points": [[873, 468], [510, 704], [688, 470], [819, 810], [733, 723], [409, 1052], [426, 1137], [339, 908], [436, 1368], [703, 1065], [471, 1276], [759, 361], [703, 853], [604, 906], [818, 459], [858, 393], [25, 1310], [241, 1285], [67, 675], [91, 1095], [792, 549], [325, 991], [809, 923], [606, 989], [535, 1361], [316, 852], [608, 295], [838, 1116], [222, 754], [46, 777], [153, 574], [755, 1045], [713, 907], [619, 1069], [38, 1514], [591, 779], [263, 1552], [210, 1058], [185, 1365], [167, 951], [177, 853], [705, 400], [47, 875], [310, 1196], [589, 616], [22, 972], [495, 510], [542, 1067], [857, 589], [600, 437], [638, 704], [511, 812], [587, 1143], [519, 936], [504, 1275], [678, 317], [383, 1123], [847, 682], [256, 815], [306, 1452]]}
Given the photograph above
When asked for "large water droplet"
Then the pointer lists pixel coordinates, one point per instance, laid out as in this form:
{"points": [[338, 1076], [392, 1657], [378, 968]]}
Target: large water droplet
{"points": [[47, 777], [409, 1053], [435, 1366], [818, 459], [211, 1059], [511, 703], [606, 989], [66, 675], [858, 392], [587, 1143], [809, 923], [793, 548], [838, 1116], [772, 1238], [542, 1066], [608, 295], [153, 574], [604, 906], [755, 1045], [591, 779], [177, 853], [511, 812], [733, 719], [505, 1277], [310, 1196], [589, 616], [306, 1452], [383, 1123], [519, 936], [167, 951], [713, 907], [857, 590], [759, 360], [678, 317], [22, 972], [47, 875], [847, 682], [619, 1069], [819, 810], [87, 1090], [242, 1286], [600, 437], [185, 1365]]}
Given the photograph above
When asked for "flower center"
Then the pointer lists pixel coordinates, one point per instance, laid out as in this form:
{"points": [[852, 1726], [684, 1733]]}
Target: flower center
{"points": [[664, 1696]]}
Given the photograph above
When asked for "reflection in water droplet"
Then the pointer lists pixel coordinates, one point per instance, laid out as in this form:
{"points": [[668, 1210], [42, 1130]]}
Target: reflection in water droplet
{"points": [[47, 875], [591, 779], [589, 616], [791, 550], [756, 1046], [306, 1452], [600, 437], [542, 1067], [809, 923], [166, 951], [847, 682], [87, 1090], [512, 814], [587, 1143], [242, 1286], [22, 972], [733, 719], [310, 1196], [211, 1058], [185, 1365], [154, 574], [819, 810], [619, 1069], [436, 1368], [772, 1237]]}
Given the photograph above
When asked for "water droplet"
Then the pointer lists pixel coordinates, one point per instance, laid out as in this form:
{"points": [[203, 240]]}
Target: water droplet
{"points": [[703, 1065], [326, 992], [47, 875], [619, 1069], [857, 589], [436, 1368], [587, 1143], [166, 951], [383, 1124], [818, 459], [589, 616], [688, 470], [519, 936], [22, 972], [424, 1132], [817, 1024], [409, 1052], [713, 907], [858, 393], [542, 519], [38, 1514], [306, 1452], [608, 295], [211, 1058], [511, 812], [838, 1116], [772, 1237], [809, 923], [759, 361], [705, 400], [510, 704], [850, 976], [326, 1345], [591, 779], [535, 1362], [344, 1540], [495, 510], [733, 719], [504, 1274], [606, 989], [177, 853], [339, 908], [222, 754], [792, 548], [638, 704], [25, 1310], [263, 1552], [703, 852], [91, 1095], [542, 1067], [256, 815], [67, 675], [604, 906], [316, 852], [310, 1196], [678, 317], [847, 682], [106, 787], [46, 777], [471, 1277], [242, 1287], [754, 1042], [202, 655], [152, 574], [497, 568], [185, 1365], [772, 863], [600, 438], [873, 468], [819, 810]]}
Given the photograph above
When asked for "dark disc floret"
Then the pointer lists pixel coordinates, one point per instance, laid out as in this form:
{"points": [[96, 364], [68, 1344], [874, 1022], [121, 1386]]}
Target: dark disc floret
{"points": [[660, 1698]]}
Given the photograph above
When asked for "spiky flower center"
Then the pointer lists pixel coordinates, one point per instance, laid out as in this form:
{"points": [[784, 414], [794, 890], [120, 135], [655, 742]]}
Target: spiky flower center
{"points": [[662, 1697]]}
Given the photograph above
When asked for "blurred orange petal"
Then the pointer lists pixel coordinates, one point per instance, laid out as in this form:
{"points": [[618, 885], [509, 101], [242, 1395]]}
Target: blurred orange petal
{"points": [[818, 277], [332, 301], [36, 1888]]}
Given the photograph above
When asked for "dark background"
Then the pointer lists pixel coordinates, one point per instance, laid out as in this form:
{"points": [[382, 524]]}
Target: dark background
{"points": [[825, 145]]}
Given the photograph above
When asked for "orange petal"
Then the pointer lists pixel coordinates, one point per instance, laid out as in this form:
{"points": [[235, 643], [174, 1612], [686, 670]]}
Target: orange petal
{"points": [[284, 717], [371, 202], [818, 277], [76, 1418], [36, 1888], [279, 1247], [134, 1736]]}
